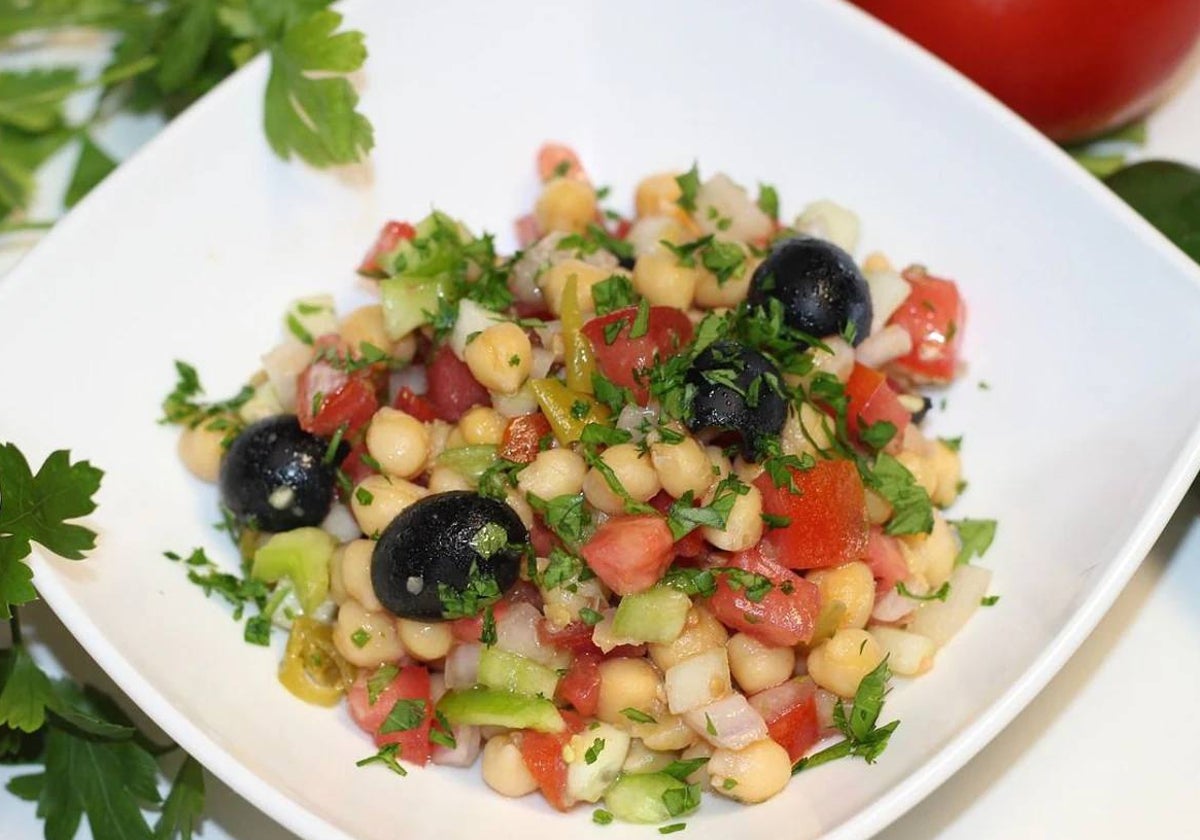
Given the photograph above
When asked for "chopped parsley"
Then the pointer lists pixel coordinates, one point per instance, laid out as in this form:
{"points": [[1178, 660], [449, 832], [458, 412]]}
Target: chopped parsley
{"points": [[672, 828], [297, 329], [976, 536], [364, 496], [489, 539], [989, 601], [862, 737], [593, 752], [360, 637], [602, 817], [681, 800], [681, 768], [405, 715], [387, 757], [941, 594], [481, 591], [566, 516], [689, 187], [768, 200], [912, 510], [637, 715], [590, 617], [487, 629], [641, 322], [380, 680], [615, 292]]}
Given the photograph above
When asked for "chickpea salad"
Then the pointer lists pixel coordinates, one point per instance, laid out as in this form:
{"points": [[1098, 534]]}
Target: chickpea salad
{"points": [[639, 512]]}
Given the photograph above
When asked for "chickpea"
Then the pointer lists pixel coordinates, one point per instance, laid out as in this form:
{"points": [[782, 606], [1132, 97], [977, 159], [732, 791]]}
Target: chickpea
{"points": [[504, 770], [627, 683], [500, 357], [853, 586], [201, 451], [839, 664], [699, 776], [947, 466], [701, 632], [634, 471], [879, 509], [425, 641], [664, 281], [337, 586], [444, 479], [744, 525], [378, 499], [515, 499], [668, 732], [554, 472], [757, 772], [921, 469], [365, 326], [932, 555], [721, 465], [365, 638], [399, 442], [482, 425], [648, 233], [658, 195], [711, 293], [356, 573], [756, 666], [566, 204], [682, 466], [553, 283]]}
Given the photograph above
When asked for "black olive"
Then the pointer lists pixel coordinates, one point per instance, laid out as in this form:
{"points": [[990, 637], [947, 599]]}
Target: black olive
{"points": [[737, 389], [274, 476], [447, 555], [819, 285], [626, 263], [920, 413]]}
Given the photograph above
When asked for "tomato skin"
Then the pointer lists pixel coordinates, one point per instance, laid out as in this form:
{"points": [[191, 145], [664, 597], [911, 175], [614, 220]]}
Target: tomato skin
{"points": [[389, 237], [344, 398], [581, 686], [414, 405], [1073, 68], [353, 465], [828, 517], [470, 628], [885, 560], [782, 618], [452, 388], [411, 683], [630, 553], [795, 726], [872, 400], [668, 330], [523, 437], [934, 316], [552, 156], [542, 754]]}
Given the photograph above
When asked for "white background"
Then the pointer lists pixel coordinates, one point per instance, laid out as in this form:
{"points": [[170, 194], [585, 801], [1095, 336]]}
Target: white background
{"points": [[1107, 750]]}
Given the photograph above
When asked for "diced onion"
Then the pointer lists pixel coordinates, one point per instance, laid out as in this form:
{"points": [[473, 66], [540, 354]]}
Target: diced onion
{"points": [[515, 405], [891, 607], [636, 418], [883, 346], [731, 722], [940, 620], [829, 221], [467, 744], [462, 665], [737, 217], [774, 701], [516, 632], [543, 360], [282, 365], [472, 319], [340, 523], [888, 290], [908, 653], [698, 680]]}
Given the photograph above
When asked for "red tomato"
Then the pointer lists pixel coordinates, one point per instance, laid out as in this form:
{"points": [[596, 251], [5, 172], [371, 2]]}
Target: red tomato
{"points": [[452, 388], [523, 437], [1071, 67], [885, 559], [575, 636], [414, 404], [553, 156], [827, 517], [623, 358], [470, 628], [784, 617], [542, 754], [327, 398], [386, 242], [934, 316], [527, 231], [581, 686], [411, 683], [353, 465], [790, 711], [542, 538], [630, 553], [872, 400], [691, 545]]}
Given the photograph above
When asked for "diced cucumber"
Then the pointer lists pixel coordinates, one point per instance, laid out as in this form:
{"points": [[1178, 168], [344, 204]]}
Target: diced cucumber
{"points": [[408, 303], [303, 557], [513, 672], [469, 461], [656, 615], [607, 747], [496, 707], [644, 797], [311, 317]]}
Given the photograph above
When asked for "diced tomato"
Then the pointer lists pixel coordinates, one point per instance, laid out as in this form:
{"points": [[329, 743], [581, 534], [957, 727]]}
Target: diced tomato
{"points": [[630, 553], [554, 160], [542, 754], [542, 538], [790, 711], [785, 616], [414, 404], [623, 227], [470, 628], [575, 636], [581, 686], [691, 545], [327, 398], [452, 388], [873, 401], [411, 683], [523, 436], [934, 315], [389, 237], [827, 516], [885, 559], [622, 359], [353, 465], [527, 230]]}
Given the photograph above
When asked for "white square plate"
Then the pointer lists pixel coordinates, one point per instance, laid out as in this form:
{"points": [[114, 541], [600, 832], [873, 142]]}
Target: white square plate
{"points": [[1084, 322]]}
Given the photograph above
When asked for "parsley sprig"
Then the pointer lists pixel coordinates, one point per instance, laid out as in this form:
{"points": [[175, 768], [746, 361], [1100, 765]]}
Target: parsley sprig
{"points": [[862, 737]]}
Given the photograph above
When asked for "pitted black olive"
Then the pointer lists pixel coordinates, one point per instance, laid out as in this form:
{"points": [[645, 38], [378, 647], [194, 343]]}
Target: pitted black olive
{"points": [[275, 477], [447, 556], [819, 286], [737, 390]]}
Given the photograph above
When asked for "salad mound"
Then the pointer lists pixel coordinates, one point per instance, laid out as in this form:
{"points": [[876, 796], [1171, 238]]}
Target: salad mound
{"points": [[641, 511]]}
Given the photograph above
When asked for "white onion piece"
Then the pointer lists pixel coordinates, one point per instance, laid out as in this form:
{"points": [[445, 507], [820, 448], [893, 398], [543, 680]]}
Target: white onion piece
{"points": [[522, 282], [467, 744], [462, 665], [341, 524], [286, 362], [888, 290], [891, 607], [839, 361], [883, 346], [549, 333], [940, 620], [832, 222], [908, 653], [603, 636], [517, 404], [516, 632], [636, 418], [437, 687], [698, 680], [472, 319], [543, 360], [411, 377], [734, 721], [774, 701], [647, 233], [261, 405], [737, 217], [825, 701]]}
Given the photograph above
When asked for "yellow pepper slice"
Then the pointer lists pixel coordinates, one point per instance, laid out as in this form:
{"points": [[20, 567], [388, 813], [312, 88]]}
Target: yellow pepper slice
{"points": [[579, 355], [568, 411], [312, 669]]}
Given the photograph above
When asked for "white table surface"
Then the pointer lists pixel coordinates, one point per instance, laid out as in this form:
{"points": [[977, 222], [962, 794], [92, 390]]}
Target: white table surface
{"points": [[1106, 751]]}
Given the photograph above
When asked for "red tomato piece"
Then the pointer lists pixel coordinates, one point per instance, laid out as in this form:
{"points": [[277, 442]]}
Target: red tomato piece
{"points": [[785, 616], [790, 711], [542, 538], [581, 686], [389, 237], [452, 388], [885, 559], [630, 553], [523, 437], [414, 404], [827, 517], [691, 545], [555, 160], [622, 359], [327, 398], [411, 683], [934, 315], [542, 754], [353, 465], [872, 401], [469, 629], [576, 637], [527, 231]]}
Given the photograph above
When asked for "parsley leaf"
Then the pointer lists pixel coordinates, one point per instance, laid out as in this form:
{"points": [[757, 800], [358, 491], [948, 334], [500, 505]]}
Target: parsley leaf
{"points": [[941, 594], [862, 737], [976, 536], [615, 292], [27, 692], [184, 806], [638, 716], [567, 516], [689, 186], [387, 757], [680, 769], [768, 200], [681, 800], [405, 715], [912, 510]]}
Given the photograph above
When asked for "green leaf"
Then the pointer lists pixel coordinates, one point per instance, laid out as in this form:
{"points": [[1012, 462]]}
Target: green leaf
{"points": [[93, 166], [26, 693], [31, 100], [315, 118], [1168, 195], [36, 508], [102, 780], [16, 578], [27, 787], [912, 510], [184, 49], [976, 536], [184, 805], [88, 725]]}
